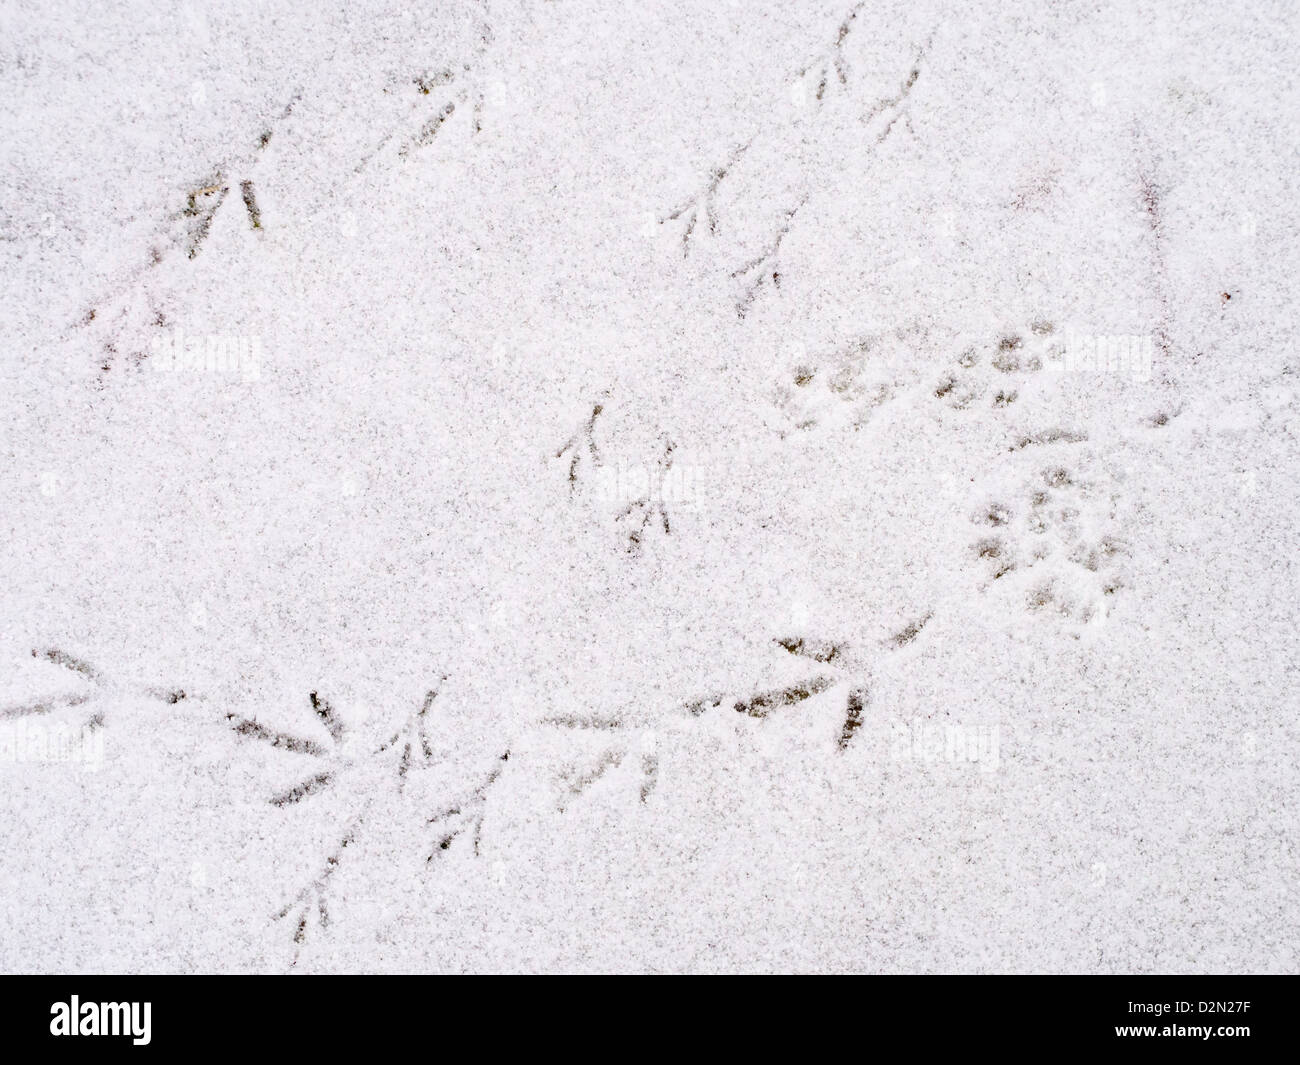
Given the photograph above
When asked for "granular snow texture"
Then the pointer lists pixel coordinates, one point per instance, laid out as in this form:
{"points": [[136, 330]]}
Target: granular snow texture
{"points": [[575, 486]]}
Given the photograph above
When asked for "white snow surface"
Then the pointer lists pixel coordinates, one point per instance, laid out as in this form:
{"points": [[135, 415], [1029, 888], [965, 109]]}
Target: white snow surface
{"points": [[671, 398]]}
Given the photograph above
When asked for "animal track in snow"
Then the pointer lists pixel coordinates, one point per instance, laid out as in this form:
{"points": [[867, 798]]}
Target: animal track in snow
{"points": [[824, 651], [886, 111], [761, 704], [847, 386], [989, 379], [818, 72], [103, 686], [331, 760], [465, 815], [124, 320], [429, 130], [578, 778], [637, 517], [618, 734], [201, 207], [581, 772], [1049, 536], [650, 511], [703, 202], [852, 716], [765, 267], [910, 631], [335, 768], [1053, 547], [612, 739], [250, 204], [582, 447]]}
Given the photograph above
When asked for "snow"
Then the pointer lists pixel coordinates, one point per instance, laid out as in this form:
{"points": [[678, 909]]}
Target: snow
{"points": [[626, 390]]}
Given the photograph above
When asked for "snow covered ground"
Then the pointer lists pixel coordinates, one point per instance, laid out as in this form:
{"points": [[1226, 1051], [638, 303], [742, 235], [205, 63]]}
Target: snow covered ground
{"points": [[702, 486]]}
